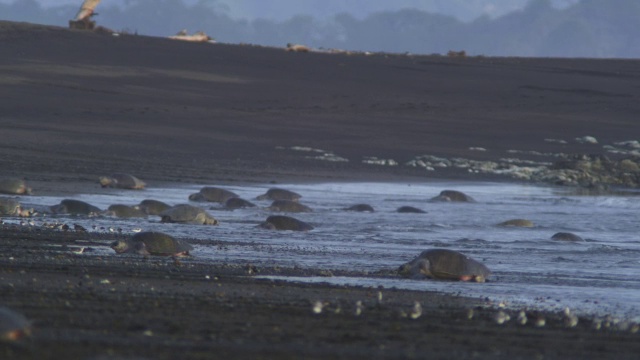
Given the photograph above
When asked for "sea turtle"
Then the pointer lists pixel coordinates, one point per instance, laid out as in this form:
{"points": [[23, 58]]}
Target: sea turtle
{"points": [[237, 203], [152, 243], [410, 209], [187, 214], [453, 196], [517, 223], [152, 207], [288, 206], [75, 207], [122, 181], [446, 265], [360, 207], [566, 236], [281, 222], [14, 187], [13, 326], [213, 194], [279, 194], [11, 207], [125, 211]]}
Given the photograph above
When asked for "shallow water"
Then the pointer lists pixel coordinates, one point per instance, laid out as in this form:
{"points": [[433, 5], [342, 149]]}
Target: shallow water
{"points": [[600, 275]]}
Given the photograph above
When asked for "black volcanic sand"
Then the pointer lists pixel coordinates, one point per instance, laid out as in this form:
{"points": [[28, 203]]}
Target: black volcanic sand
{"points": [[76, 105]]}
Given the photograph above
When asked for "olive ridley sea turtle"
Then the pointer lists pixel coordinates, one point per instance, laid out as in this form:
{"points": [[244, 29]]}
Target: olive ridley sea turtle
{"points": [[452, 196], [187, 214], [445, 264], [152, 243], [213, 194], [279, 194], [281, 222], [122, 181]]}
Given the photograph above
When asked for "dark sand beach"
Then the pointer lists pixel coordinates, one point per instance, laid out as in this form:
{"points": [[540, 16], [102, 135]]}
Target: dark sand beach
{"points": [[75, 105]]}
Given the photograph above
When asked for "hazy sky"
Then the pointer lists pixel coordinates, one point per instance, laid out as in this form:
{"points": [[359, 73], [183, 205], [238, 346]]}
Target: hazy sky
{"points": [[284, 9]]}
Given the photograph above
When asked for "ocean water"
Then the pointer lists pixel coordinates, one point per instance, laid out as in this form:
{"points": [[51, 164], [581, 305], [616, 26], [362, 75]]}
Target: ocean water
{"points": [[598, 276]]}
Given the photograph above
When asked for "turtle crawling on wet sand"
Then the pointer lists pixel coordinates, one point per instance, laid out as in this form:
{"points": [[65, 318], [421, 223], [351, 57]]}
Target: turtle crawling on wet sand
{"points": [[281, 222], [445, 264], [75, 207], [213, 194], [288, 206], [152, 207], [279, 194], [13, 326], [152, 243], [122, 181], [14, 187], [453, 196], [187, 214]]}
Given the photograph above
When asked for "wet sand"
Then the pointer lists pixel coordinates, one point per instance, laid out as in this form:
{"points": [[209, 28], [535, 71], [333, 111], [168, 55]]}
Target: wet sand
{"points": [[77, 105]]}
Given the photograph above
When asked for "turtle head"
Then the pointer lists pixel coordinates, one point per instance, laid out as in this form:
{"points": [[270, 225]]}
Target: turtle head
{"points": [[417, 268], [120, 246], [106, 181]]}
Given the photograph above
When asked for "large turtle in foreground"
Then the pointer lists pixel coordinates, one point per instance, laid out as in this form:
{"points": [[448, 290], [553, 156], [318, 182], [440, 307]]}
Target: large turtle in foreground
{"points": [[445, 264], [281, 222], [213, 194], [122, 181], [452, 196], [13, 326], [187, 214], [152, 243], [75, 207], [279, 194], [14, 187]]}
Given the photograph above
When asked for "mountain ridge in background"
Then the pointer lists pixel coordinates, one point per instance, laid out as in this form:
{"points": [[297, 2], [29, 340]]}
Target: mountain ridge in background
{"points": [[589, 28]]}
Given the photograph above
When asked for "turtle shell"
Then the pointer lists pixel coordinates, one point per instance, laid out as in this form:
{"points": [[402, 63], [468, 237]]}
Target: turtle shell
{"points": [[122, 181], [237, 203], [213, 194], [289, 206], [448, 265], [153, 207], [279, 194], [75, 207], [157, 243], [566, 236], [410, 209], [126, 211], [13, 326], [281, 222], [453, 196], [517, 223], [361, 208], [187, 214]]}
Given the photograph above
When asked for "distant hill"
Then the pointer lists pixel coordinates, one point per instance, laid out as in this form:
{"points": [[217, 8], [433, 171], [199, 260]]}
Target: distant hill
{"points": [[590, 28]]}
